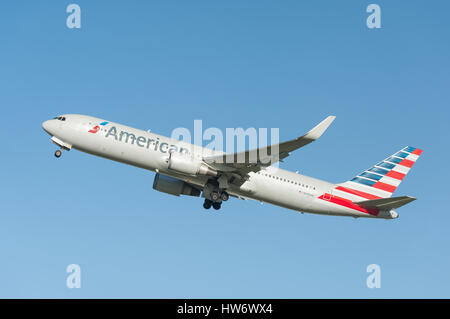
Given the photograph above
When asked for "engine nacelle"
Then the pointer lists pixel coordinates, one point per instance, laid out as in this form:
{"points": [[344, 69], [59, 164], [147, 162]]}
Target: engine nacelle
{"points": [[173, 186], [185, 165]]}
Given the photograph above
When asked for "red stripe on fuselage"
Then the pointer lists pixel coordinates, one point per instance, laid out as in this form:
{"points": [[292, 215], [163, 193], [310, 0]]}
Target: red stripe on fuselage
{"points": [[357, 193], [348, 203]]}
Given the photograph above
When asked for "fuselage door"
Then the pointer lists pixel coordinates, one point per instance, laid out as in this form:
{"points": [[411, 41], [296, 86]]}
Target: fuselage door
{"points": [[328, 195]]}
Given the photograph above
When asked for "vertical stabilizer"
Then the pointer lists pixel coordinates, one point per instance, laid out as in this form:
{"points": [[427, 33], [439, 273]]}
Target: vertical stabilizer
{"points": [[382, 179]]}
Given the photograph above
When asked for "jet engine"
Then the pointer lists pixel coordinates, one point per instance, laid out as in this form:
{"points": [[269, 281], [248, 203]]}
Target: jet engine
{"points": [[173, 186], [186, 165]]}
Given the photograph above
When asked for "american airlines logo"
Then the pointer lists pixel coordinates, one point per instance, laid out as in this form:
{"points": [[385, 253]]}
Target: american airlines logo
{"points": [[144, 142], [96, 128], [216, 140]]}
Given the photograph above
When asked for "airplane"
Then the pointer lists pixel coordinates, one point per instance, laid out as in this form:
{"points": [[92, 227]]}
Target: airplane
{"points": [[186, 169]]}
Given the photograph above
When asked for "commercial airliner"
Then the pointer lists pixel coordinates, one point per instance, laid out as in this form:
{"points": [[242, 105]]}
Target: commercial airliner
{"points": [[186, 169]]}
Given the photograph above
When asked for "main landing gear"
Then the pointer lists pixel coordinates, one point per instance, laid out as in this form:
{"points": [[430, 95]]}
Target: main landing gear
{"points": [[222, 197], [216, 200], [207, 204]]}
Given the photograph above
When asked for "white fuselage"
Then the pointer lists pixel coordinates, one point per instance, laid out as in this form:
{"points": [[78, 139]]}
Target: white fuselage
{"points": [[150, 151]]}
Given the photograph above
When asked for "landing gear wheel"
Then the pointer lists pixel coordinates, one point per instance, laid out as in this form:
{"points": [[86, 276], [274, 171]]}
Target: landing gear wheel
{"points": [[58, 154], [224, 196], [207, 204], [216, 206], [215, 196]]}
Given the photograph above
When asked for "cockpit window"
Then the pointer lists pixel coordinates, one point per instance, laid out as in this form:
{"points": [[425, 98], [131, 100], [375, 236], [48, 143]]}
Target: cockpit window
{"points": [[60, 118]]}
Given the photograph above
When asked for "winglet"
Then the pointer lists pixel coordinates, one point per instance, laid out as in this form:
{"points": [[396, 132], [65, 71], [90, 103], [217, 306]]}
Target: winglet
{"points": [[320, 128]]}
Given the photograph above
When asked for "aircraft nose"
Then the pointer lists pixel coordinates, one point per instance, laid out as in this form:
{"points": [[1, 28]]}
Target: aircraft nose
{"points": [[47, 126]]}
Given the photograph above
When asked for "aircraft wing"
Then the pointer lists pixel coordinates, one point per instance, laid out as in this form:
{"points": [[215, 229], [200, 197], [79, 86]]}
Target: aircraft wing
{"points": [[253, 160]]}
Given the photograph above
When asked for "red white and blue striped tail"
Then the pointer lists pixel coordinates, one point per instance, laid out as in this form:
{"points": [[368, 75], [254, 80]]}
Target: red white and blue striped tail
{"points": [[381, 180]]}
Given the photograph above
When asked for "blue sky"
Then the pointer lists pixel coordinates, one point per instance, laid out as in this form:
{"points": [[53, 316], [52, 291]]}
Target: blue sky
{"points": [[162, 64]]}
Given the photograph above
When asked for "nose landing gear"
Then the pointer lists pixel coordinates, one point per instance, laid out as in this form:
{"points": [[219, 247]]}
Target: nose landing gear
{"points": [[63, 146]]}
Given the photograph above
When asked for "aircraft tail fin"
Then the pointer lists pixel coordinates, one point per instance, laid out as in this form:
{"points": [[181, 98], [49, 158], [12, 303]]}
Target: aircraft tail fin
{"points": [[382, 179]]}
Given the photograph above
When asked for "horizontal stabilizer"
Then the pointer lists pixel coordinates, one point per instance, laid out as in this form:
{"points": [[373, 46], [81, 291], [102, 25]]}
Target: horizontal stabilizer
{"points": [[386, 203]]}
